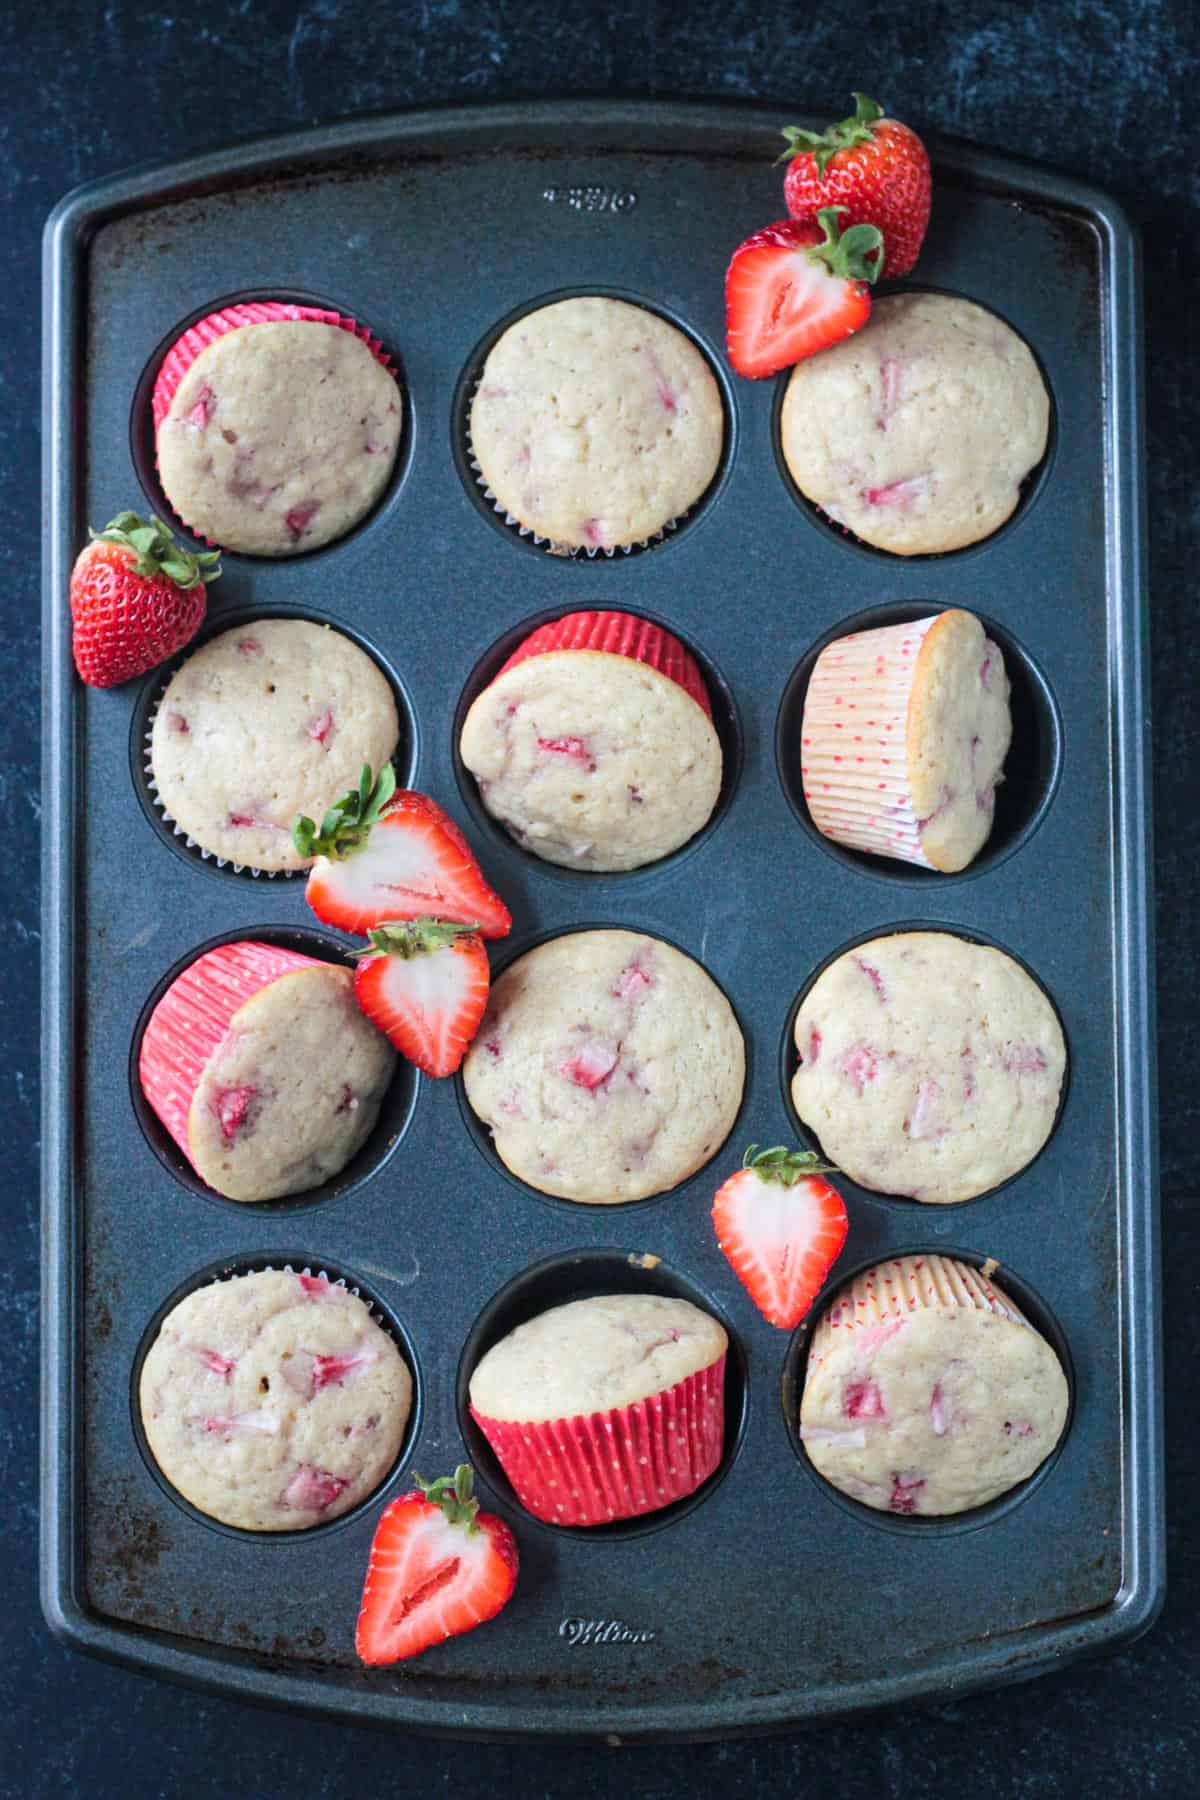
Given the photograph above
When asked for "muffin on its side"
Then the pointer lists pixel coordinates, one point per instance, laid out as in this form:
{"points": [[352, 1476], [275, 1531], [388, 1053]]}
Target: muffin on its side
{"points": [[595, 745], [928, 1391], [605, 1408], [917, 432], [609, 1066], [266, 721], [905, 733], [596, 424], [930, 1067], [273, 1401], [263, 1069], [276, 427]]}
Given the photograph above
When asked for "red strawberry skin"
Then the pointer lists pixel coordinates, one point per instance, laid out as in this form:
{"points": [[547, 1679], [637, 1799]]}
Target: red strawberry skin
{"points": [[781, 1229], [781, 306], [427, 994], [884, 180], [429, 1579], [125, 623], [426, 869]]}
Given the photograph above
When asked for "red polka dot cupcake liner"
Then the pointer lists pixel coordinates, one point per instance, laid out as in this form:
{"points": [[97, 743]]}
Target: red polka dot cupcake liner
{"points": [[596, 1468], [188, 346], [854, 754], [195, 1016], [618, 634]]}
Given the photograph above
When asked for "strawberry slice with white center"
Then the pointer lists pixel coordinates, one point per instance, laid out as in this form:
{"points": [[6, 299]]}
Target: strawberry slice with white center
{"points": [[425, 985], [438, 1567], [795, 288], [782, 1227], [385, 854]]}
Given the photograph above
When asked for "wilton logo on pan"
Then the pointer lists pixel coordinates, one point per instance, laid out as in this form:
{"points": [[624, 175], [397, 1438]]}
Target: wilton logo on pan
{"points": [[592, 199], [602, 1631]]}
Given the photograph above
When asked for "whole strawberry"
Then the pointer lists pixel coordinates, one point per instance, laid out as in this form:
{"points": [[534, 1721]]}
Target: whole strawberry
{"points": [[876, 168], [136, 598]]}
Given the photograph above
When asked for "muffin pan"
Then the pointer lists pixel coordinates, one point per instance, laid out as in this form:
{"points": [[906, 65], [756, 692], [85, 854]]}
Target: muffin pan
{"points": [[765, 1600]]}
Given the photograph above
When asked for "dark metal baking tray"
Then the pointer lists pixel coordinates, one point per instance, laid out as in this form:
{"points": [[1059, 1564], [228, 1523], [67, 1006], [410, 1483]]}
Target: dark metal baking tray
{"points": [[767, 1601]]}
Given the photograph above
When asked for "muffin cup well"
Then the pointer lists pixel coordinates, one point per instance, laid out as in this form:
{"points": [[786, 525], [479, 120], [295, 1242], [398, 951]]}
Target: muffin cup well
{"points": [[599, 1467], [192, 1019], [617, 634]]}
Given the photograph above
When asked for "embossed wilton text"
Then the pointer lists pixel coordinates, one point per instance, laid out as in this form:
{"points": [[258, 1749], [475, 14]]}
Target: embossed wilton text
{"points": [[602, 1631], [591, 199]]}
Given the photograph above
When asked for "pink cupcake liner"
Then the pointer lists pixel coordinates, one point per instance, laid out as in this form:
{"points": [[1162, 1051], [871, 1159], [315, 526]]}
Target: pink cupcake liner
{"points": [[598, 1467], [206, 331], [853, 756], [193, 1018], [618, 634], [880, 1297]]}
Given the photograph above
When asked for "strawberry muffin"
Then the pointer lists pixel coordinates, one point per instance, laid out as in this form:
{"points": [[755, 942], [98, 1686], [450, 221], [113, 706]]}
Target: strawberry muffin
{"points": [[276, 427], [263, 1069], [928, 1391], [595, 744], [929, 1067], [608, 1066], [595, 424], [606, 1408], [917, 432], [264, 722], [274, 1401], [905, 733]]}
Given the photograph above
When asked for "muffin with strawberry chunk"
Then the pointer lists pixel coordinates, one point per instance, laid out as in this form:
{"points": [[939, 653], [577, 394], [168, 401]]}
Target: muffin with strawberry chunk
{"points": [[276, 426], [917, 433], [266, 721], [605, 1408], [608, 1066], [595, 424], [274, 1401], [905, 733], [263, 1069], [928, 1391], [595, 745], [930, 1067]]}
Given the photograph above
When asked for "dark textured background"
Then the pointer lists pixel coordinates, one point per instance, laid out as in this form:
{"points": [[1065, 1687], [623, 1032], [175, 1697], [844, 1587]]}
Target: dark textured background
{"points": [[1097, 87]]}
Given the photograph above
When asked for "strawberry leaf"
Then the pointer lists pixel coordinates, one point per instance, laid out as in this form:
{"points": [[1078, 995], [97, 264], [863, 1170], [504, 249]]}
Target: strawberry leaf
{"points": [[823, 145], [453, 1493], [785, 1166], [345, 826], [156, 554], [414, 937], [845, 253]]}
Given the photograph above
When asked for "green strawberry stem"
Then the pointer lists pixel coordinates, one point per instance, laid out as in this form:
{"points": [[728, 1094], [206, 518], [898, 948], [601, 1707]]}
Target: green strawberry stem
{"points": [[845, 253], [156, 554], [825, 144], [414, 937], [346, 825], [785, 1166], [453, 1494]]}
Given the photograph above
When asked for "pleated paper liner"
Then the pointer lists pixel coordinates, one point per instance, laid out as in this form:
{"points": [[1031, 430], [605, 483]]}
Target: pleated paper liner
{"points": [[875, 1300], [618, 634], [598, 1467]]}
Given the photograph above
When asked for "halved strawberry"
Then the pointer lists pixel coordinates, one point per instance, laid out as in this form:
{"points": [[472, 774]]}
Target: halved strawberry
{"points": [[384, 855], [425, 984], [795, 288], [782, 1228], [438, 1567]]}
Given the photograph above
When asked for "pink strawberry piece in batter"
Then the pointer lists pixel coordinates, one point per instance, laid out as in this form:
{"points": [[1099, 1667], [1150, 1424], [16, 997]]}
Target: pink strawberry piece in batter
{"points": [[985, 669], [177, 722], [317, 1287], [863, 1400], [312, 1490], [939, 1418], [873, 976], [214, 1361], [349, 1099], [239, 1424], [204, 408], [232, 1106], [859, 1065], [1020, 1428], [899, 493], [869, 1339], [320, 728], [592, 1064], [511, 1105], [595, 532], [333, 1370], [905, 1488], [668, 399], [632, 983], [573, 748], [923, 1121], [299, 518], [249, 646], [1024, 1059], [815, 1041], [889, 374]]}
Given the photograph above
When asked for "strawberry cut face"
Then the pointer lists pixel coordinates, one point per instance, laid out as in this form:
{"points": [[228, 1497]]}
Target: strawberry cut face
{"points": [[783, 303], [781, 1230], [428, 1001]]}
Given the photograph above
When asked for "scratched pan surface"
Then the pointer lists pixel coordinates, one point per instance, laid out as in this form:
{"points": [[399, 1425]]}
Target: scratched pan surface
{"points": [[768, 1600]]}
